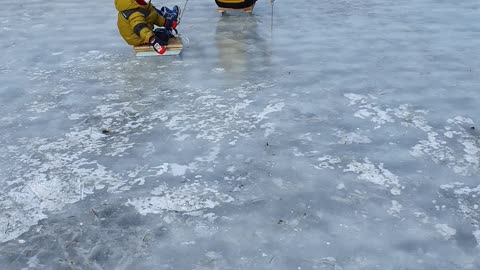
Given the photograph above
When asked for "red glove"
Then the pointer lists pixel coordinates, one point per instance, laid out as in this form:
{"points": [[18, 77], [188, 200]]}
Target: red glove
{"points": [[159, 46], [169, 24]]}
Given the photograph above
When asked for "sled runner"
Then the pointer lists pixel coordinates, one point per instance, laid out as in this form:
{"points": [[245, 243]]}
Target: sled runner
{"points": [[174, 47], [246, 10]]}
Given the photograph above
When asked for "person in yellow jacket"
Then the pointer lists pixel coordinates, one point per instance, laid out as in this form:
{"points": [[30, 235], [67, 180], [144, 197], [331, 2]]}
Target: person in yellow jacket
{"points": [[235, 3], [137, 19]]}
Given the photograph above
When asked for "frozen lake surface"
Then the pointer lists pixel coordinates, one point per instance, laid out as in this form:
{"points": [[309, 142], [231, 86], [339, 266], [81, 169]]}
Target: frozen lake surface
{"points": [[345, 135]]}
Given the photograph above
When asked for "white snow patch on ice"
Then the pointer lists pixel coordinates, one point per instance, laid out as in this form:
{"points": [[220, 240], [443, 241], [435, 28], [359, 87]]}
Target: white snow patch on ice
{"points": [[218, 70], [381, 115], [76, 116], [376, 174], [461, 189], [351, 138], [450, 134], [467, 198], [444, 149], [395, 208], [356, 98], [279, 182], [446, 231], [215, 117], [412, 118], [39, 107], [476, 233], [363, 113], [423, 217], [327, 162], [460, 120], [186, 198], [159, 170], [371, 111], [177, 169], [271, 108], [306, 136], [433, 147], [63, 170], [211, 157], [269, 129]]}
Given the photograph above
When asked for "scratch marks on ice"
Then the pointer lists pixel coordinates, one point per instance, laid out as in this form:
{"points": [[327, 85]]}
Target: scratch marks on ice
{"points": [[45, 174]]}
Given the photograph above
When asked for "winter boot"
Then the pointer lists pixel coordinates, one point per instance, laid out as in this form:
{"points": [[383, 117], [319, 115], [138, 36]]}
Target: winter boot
{"points": [[170, 14], [163, 34]]}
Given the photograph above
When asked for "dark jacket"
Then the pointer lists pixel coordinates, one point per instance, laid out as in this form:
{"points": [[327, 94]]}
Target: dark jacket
{"points": [[235, 3]]}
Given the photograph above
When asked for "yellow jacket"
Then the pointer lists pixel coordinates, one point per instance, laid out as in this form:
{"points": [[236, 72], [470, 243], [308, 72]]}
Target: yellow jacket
{"points": [[135, 22]]}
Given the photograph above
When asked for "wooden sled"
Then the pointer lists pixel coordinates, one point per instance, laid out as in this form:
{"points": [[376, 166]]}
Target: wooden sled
{"points": [[248, 10], [174, 47]]}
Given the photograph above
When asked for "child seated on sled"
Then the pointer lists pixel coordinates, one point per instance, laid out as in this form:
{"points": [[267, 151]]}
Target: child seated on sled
{"points": [[137, 19], [235, 4]]}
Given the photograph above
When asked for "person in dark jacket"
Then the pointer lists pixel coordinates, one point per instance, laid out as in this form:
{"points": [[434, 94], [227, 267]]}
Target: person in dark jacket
{"points": [[236, 4]]}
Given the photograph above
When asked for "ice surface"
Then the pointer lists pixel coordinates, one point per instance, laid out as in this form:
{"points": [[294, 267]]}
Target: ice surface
{"points": [[342, 136]]}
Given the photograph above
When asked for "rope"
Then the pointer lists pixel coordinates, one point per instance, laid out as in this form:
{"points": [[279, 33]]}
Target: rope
{"points": [[182, 11], [271, 21]]}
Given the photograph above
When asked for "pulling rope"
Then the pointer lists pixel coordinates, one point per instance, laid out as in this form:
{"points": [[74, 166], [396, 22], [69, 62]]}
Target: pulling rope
{"points": [[182, 11], [271, 21], [184, 39]]}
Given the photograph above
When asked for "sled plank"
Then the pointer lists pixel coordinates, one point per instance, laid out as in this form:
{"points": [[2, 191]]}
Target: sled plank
{"points": [[247, 9], [174, 47]]}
